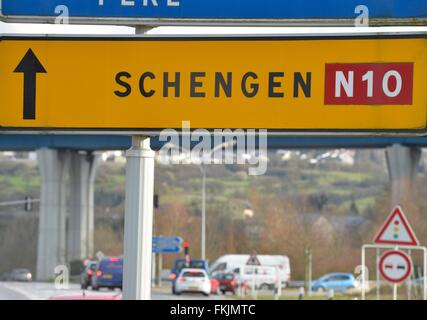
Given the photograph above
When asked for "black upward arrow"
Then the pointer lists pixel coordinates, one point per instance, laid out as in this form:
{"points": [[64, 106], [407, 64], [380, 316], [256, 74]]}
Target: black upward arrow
{"points": [[30, 66]]}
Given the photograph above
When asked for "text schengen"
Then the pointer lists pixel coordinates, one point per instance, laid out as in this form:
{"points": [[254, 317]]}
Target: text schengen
{"points": [[219, 84], [344, 84]]}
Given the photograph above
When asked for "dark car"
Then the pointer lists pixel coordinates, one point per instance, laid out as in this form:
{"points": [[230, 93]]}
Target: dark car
{"points": [[4, 276], [108, 274], [87, 273], [182, 264], [227, 282], [18, 275]]}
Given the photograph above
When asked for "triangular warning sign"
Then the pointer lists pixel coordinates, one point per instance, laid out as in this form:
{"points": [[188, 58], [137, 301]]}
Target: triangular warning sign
{"points": [[397, 230], [253, 261]]}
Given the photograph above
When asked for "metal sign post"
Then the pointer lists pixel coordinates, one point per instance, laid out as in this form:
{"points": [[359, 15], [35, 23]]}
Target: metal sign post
{"points": [[409, 282], [159, 283], [138, 220], [377, 264], [395, 291], [254, 284], [153, 270], [278, 292]]}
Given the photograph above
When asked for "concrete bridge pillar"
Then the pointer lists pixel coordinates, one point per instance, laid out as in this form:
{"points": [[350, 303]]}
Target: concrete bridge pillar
{"points": [[61, 241], [81, 205], [402, 162], [51, 250]]}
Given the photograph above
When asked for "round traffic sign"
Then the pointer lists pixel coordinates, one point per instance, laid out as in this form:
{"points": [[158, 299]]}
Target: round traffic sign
{"points": [[395, 266]]}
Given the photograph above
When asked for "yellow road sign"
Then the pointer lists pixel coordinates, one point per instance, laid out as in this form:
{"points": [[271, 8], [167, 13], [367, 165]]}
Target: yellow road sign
{"points": [[367, 83]]}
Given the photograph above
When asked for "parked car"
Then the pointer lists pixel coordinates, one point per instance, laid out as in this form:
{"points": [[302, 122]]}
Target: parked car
{"points": [[87, 273], [339, 282], [4, 276], [193, 280], [181, 264], [18, 275], [235, 261], [108, 274], [214, 286], [227, 282]]}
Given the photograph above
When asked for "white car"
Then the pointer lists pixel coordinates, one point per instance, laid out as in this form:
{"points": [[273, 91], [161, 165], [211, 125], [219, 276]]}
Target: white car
{"points": [[193, 280]]}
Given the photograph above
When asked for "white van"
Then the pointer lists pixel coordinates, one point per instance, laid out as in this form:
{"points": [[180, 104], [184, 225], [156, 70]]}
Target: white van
{"points": [[280, 264], [264, 278]]}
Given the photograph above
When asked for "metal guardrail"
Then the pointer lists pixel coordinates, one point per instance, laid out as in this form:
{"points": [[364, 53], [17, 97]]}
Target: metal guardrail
{"points": [[18, 202], [296, 284]]}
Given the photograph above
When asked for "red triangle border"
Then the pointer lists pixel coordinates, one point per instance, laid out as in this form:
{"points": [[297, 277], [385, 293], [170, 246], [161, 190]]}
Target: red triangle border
{"points": [[397, 211]]}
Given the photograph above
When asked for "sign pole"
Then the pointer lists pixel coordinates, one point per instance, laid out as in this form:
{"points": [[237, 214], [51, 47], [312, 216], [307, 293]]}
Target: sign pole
{"points": [[425, 275], [409, 282], [363, 273], [138, 217], [378, 273], [278, 289], [153, 270], [203, 168], [310, 272], [138, 220], [160, 269], [254, 288], [395, 291], [395, 285]]}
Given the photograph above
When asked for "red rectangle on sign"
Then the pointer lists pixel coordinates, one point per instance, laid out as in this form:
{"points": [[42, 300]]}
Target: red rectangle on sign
{"points": [[369, 83]]}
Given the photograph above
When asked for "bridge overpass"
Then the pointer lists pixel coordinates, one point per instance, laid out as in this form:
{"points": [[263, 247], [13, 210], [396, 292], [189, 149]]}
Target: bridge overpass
{"points": [[68, 164]]}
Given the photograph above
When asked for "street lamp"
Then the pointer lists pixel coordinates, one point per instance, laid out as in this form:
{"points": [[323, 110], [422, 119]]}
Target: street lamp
{"points": [[202, 168]]}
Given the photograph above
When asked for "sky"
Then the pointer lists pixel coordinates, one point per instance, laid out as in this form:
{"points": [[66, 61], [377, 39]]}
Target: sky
{"points": [[79, 29]]}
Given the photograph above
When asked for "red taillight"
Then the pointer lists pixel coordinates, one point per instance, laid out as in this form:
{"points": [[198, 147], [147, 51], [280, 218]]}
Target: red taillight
{"points": [[99, 273], [114, 259], [89, 272], [181, 280]]}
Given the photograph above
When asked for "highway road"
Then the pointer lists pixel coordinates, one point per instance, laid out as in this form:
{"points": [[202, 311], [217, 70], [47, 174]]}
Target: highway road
{"points": [[43, 291]]}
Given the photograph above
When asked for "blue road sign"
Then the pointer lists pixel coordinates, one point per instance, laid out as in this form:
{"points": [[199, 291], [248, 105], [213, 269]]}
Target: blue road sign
{"points": [[167, 250], [167, 244], [177, 240], [215, 12]]}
